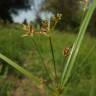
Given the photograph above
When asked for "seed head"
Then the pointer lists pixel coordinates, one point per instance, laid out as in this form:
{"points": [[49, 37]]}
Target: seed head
{"points": [[66, 51], [29, 30]]}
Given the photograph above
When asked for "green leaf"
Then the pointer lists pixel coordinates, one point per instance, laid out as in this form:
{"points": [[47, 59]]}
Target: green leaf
{"points": [[74, 52], [20, 69]]}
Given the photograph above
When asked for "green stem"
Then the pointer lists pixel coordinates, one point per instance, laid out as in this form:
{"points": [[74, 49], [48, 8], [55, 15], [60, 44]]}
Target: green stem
{"points": [[53, 57], [72, 58]]}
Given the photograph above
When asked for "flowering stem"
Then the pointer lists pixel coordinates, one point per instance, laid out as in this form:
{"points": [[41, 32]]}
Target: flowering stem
{"points": [[42, 60], [53, 57]]}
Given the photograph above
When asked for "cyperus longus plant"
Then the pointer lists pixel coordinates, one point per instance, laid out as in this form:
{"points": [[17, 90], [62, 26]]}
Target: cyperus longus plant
{"points": [[58, 83]]}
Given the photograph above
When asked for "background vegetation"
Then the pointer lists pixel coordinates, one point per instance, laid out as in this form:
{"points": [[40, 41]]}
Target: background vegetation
{"points": [[22, 51], [80, 80]]}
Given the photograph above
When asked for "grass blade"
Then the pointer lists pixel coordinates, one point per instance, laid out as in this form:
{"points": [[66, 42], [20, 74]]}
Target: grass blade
{"points": [[84, 60], [42, 59], [20, 69], [53, 57], [72, 58]]}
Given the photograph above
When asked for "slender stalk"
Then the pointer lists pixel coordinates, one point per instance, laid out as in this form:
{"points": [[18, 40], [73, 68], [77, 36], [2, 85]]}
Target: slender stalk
{"points": [[72, 58], [53, 57], [42, 60], [82, 63]]}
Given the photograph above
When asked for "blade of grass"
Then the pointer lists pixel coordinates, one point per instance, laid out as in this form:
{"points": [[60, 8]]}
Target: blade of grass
{"points": [[72, 58], [20, 69], [84, 60]]}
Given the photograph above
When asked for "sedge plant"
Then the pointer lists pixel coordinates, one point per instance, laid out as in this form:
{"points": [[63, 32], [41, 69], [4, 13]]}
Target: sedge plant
{"points": [[57, 83]]}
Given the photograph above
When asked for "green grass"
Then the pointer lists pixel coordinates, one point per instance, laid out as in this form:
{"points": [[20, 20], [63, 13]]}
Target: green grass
{"points": [[22, 50], [64, 80]]}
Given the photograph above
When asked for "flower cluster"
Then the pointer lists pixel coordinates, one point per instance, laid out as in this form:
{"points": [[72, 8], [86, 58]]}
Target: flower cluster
{"points": [[66, 51], [44, 28], [29, 29], [57, 17], [55, 20]]}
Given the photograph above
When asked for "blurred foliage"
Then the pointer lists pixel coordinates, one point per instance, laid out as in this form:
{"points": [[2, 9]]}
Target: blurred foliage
{"points": [[72, 10], [8, 7], [22, 50]]}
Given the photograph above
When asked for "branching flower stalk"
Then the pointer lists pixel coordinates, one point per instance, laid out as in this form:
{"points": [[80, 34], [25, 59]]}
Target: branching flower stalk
{"points": [[74, 51], [30, 31], [46, 27], [42, 60], [50, 28]]}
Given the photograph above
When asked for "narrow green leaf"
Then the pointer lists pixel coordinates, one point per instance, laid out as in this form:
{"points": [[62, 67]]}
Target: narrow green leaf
{"points": [[73, 54], [20, 69]]}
